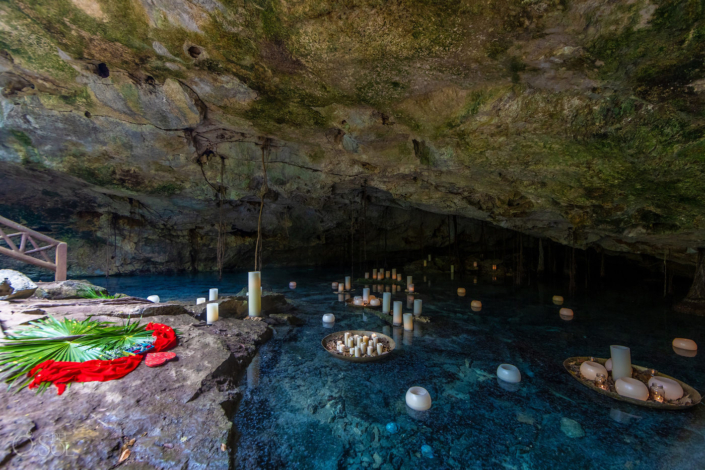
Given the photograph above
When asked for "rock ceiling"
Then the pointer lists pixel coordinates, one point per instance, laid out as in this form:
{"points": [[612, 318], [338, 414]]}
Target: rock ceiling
{"points": [[547, 117]]}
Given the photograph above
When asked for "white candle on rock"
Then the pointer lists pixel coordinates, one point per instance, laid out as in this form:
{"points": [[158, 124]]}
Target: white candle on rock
{"points": [[394, 273], [367, 275], [374, 274], [398, 276], [388, 274], [200, 300], [211, 313], [348, 283], [409, 280], [411, 288], [254, 293], [341, 287], [366, 295], [396, 320], [213, 294]]}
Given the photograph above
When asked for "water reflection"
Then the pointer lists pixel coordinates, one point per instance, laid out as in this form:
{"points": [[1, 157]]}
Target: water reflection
{"points": [[408, 337], [685, 352], [253, 372], [510, 387]]}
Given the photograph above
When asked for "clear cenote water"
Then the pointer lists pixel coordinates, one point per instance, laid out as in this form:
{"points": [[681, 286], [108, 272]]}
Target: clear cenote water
{"points": [[304, 409]]}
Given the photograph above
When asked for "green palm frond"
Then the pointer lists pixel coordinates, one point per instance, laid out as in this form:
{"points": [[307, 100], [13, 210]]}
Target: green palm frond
{"points": [[65, 340], [91, 293]]}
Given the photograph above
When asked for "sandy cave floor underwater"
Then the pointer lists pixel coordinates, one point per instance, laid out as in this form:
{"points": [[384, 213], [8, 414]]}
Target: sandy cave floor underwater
{"points": [[304, 409]]}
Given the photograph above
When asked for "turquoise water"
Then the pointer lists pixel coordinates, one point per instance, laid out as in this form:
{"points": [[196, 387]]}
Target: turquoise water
{"points": [[304, 409]]}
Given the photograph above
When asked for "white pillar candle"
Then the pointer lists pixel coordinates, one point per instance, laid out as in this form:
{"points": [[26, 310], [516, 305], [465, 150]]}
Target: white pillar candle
{"points": [[418, 398], [292, 285], [388, 274], [461, 291], [452, 269], [386, 302], [409, 321], [558, 300], [346, 336], [621, 362], [366, 294], [409, 280], [335, 285], [200, 300], [424, 263], [476, 304], [673, 389], [429, 257], [396, 320], [411, 288], [417, 306], [357, 351], [350, 343], [348, 283], [684, 343], [367, 275], [589, 370], [374, 274], [379, 348], [398, 276], [631, 388], [328, 318], [365, 338], [394, 273], [370, 350], [153, 298], [254, 293], [211, 313], [509, 373], [213, 294], [341, 287]]}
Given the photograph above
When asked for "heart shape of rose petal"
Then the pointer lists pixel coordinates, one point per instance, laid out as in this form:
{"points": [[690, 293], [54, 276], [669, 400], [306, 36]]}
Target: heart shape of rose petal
{"points": [[159, 358]]}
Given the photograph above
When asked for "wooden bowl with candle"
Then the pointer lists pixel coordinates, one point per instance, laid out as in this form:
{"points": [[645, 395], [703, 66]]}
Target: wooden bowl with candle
{"points": [[330, 341], [690, 398]]}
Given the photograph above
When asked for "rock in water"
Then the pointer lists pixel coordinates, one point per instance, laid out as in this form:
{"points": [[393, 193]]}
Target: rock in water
{"points": [[572, 428], [15, 285]]}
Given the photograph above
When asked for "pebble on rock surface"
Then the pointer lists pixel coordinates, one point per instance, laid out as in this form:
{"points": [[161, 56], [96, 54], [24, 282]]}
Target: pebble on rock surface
{"points": [[572, 428], [392, 428], [427, 451]]}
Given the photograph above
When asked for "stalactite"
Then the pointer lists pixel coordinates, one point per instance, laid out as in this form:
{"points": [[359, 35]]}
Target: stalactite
{"points": [[262, 192], [220, 251]]}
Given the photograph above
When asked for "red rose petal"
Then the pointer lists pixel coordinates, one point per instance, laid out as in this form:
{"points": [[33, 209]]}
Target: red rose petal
{"points": [[159, 358]]}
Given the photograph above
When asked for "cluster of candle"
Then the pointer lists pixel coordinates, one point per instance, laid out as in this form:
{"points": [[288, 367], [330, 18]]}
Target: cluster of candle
{"points": [[358, 346]]}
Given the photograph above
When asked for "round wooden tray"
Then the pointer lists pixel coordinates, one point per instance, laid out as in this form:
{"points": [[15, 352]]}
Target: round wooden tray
{"points": [[351, 304], [391, 342], [687, 389]]}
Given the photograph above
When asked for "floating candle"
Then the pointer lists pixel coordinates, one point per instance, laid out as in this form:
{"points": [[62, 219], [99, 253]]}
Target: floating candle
{"points": [[153, 298], [358, 301], [621, 362], [608, 364], [476, 304], [508, 373], [328, 318], [589, 370], [418, 398], [374, 302], [558, 300], [418, 304], [335, 285], [409, 321], [211, 313], [631, 388], [200, 300], [386, 302], [397, 313], [461, 291], [292, 285], [254, 293], [213, 294], [684, 343], [566, 313], [673, 389]]}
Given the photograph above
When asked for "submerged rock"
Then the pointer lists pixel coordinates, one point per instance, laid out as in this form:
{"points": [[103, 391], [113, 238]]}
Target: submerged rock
{"points": [[15, 285], [572, 428]]}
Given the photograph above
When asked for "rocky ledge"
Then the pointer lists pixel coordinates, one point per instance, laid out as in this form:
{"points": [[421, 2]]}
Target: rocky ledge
{"points": [[175, 416]]}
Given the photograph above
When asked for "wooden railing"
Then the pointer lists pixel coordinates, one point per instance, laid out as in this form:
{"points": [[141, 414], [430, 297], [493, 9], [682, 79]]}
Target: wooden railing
{"points": [[30, 237]]}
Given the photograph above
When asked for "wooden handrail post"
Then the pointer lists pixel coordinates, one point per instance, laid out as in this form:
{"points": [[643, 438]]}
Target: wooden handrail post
{"points": [[61, 254]]}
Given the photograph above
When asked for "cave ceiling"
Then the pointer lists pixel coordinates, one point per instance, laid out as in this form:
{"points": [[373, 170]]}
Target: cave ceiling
{"points": [[560, 119]]}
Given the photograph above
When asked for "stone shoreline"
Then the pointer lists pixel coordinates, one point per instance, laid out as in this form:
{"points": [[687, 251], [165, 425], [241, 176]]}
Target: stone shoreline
{"points": [[175, 416]]}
